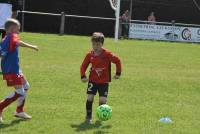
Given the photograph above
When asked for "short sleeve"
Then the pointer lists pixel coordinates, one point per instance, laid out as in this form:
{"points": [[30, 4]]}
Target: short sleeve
{"points": [[14, 42]]}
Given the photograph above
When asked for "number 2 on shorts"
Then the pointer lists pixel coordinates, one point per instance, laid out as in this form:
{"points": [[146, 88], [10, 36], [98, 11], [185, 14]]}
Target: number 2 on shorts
{"points": [[90, 87]]}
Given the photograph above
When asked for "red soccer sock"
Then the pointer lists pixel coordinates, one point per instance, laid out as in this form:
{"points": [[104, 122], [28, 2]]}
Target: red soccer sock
{"points": [[21, 102], [11, 98], [20, 106]]}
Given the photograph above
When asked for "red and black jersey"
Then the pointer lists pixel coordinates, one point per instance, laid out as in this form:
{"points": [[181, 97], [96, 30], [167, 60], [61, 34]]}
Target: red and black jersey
{"points": [[100, 71]]}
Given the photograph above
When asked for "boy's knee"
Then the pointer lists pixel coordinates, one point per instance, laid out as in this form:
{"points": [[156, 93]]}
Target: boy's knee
{"points": [[90, 97], [26, 86], [20, 91], [102, 100]]}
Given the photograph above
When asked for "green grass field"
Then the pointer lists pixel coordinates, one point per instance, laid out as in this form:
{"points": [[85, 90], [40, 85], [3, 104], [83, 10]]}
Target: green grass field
{"points": [[159, 79]]}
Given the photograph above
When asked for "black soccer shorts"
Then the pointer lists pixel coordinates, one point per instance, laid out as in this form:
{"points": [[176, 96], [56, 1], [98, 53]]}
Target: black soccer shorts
{"points": [[101, 88]]}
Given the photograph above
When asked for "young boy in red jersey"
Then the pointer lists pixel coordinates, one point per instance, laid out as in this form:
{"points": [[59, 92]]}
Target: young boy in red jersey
{"points": [[100, 72], [11, 70]]}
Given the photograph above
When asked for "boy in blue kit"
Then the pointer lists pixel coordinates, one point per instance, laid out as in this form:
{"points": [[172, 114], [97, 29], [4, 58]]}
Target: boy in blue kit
{"points": [[12, 74]]}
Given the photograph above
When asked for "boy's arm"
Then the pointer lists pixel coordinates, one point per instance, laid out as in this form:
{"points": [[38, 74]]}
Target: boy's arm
{"points": [[116, 60], [23, 44], [3, 50], [83, 68]]}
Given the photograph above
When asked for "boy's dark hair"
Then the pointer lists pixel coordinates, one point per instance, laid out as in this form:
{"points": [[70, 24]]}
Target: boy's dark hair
{"points": [[98, 37], [11, 22]]}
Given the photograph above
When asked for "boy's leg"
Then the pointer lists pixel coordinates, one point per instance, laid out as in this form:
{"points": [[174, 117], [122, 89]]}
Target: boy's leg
{"points": [[102, 100], [89, 103], [20, 103], [21, 100], [17, 82], [103, 93], [91, 91], [7, 101], [11, 98]]}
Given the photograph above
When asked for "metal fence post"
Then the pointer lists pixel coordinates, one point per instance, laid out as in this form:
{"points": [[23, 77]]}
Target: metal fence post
{"points": [[173, 30], [62, 23], [23, 8]]}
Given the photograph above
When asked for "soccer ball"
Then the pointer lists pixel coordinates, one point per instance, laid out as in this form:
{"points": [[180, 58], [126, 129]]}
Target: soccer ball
{"points": [[104, 112]]}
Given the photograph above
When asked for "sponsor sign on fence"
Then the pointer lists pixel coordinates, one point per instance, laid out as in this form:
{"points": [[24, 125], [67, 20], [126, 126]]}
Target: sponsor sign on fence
{"points": [[163, 32]]}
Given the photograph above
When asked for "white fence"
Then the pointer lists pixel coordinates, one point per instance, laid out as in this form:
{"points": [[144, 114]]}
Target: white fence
{"points": [[63, 16], [141, 29]]}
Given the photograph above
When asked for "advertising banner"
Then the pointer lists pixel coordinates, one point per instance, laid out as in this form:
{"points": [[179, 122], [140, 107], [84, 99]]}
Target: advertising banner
{"points": [[163, 32]]}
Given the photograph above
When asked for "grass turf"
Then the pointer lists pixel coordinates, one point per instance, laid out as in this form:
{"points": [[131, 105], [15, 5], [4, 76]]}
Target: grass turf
{"points": [[159, 79]]}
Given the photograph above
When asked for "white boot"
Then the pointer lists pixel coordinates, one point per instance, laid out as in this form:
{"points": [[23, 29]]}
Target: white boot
{"points": [[22, 115]]}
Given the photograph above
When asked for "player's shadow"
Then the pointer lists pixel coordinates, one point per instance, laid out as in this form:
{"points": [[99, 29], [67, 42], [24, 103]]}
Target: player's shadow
{"points": [[12, 123], [86, 126]]}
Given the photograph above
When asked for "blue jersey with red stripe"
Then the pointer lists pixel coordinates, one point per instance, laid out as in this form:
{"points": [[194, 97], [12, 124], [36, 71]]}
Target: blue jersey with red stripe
{"points": [[9, 53]]}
